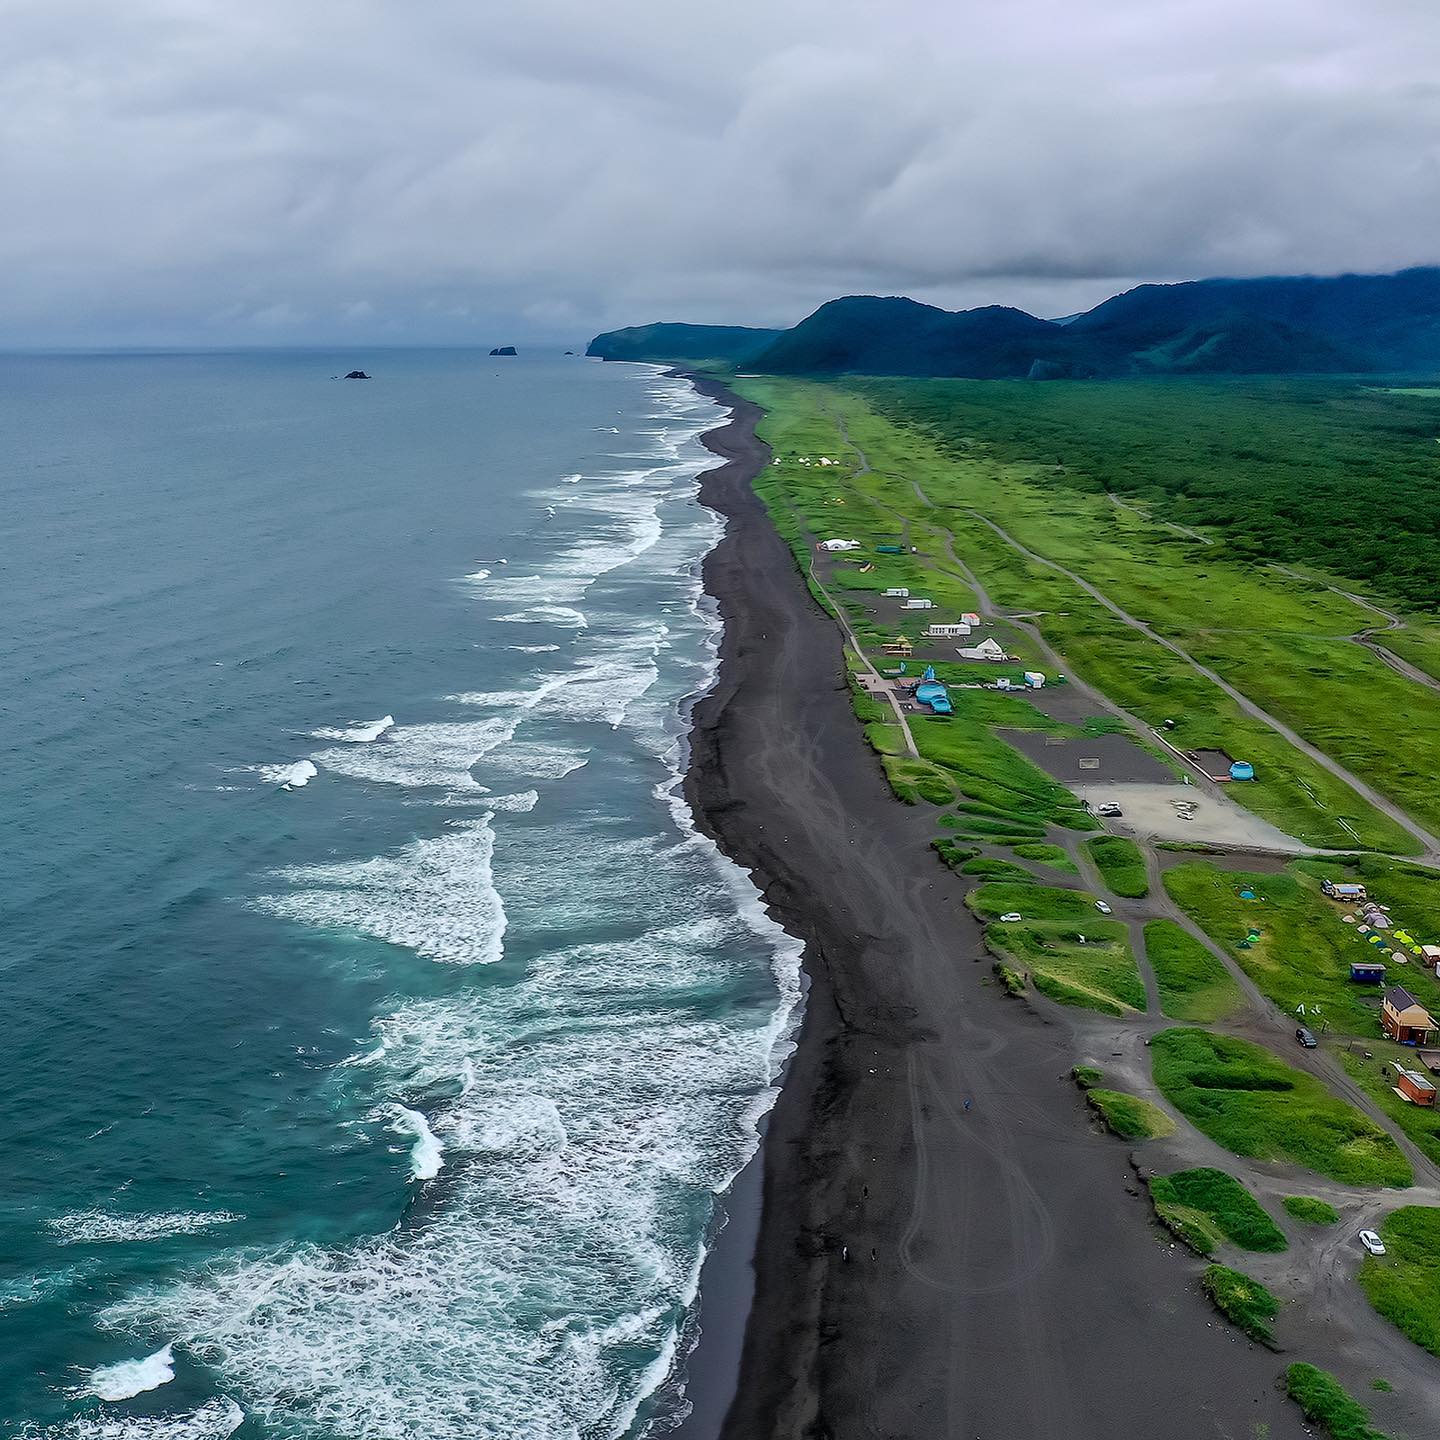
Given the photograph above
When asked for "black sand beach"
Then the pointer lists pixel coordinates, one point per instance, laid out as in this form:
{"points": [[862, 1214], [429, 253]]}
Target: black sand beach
{"points": [[921, 1270]]}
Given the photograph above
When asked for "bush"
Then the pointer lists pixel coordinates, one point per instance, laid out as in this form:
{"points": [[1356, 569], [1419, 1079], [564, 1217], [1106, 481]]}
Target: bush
{"points": [[1312, 1211], [1324, 1402], [1128, 1116], [1206, 1206], [1121, 864], [1242, 1301]]}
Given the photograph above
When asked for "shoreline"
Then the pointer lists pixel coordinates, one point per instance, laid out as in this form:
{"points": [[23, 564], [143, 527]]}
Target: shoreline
{"points": [[918, 1270]]}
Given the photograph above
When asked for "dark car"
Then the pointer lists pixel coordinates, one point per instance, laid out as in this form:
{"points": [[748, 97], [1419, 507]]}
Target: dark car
{"points": [[1305, 1037]]}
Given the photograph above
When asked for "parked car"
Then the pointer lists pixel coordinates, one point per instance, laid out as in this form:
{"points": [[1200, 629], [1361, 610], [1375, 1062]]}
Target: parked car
{"points": [[1102, 907], [1305, 1037], [1011, 916], [1372, 1242], [1110, 810]]}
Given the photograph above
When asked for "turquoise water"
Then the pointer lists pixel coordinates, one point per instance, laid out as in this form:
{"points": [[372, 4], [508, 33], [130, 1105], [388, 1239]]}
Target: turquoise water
{"points": [[394, 1102]]}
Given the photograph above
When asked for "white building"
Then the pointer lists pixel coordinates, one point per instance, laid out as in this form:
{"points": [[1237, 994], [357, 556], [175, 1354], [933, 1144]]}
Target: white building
{"points": [[970, 618], [985, 650], [898, 592], [937, 631], [839, 545], [918, 605], [1034, 679]]}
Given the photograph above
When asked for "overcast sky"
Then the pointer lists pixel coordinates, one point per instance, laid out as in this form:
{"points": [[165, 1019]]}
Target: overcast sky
{"points": [[297, 171]]}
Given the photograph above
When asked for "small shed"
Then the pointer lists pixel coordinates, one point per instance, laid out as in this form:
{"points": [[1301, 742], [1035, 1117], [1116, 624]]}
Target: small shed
{"points": [[1412, 1086], [1367, 972], [1404, 1018], [1034, 679], [1430, 1059], [970, 618], [897, 592], [917, 604]]}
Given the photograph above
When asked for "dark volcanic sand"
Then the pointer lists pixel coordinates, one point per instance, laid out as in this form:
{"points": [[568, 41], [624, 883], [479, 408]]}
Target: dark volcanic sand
{"points": [[922, 1272]]}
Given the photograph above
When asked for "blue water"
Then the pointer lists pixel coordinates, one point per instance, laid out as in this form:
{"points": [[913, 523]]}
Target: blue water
{"points": [[394, 1102]]}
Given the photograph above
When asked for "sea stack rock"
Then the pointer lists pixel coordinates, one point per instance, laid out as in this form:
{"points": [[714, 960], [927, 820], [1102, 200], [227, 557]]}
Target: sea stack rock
{"points": [[503, 350], [357, 375]]}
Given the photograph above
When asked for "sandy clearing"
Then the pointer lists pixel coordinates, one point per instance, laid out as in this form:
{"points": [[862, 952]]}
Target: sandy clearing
{"points": [[1150, 814]]}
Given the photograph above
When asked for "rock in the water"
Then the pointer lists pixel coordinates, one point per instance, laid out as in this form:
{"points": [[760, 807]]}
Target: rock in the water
{"points": [[503, 350], [357, 375]]}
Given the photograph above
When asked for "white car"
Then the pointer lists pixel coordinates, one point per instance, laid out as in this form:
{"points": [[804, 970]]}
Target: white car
{"points": [[1372, 1242], [1102, 907], [1011, 916]]}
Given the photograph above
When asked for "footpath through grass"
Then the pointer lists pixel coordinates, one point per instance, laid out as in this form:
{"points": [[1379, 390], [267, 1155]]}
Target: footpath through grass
{"points": [[1255, 1105], [1121, 865], [1193, 984], [1404, 1283], [1207, 1207]]}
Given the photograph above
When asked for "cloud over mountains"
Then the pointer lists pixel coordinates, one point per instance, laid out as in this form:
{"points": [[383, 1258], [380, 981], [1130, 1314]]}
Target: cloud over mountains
{"points": [[192, 171]]}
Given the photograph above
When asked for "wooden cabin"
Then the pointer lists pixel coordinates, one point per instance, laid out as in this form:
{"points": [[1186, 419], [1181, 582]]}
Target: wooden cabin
{"points": [[1412, 1086], [1404, 1019]]}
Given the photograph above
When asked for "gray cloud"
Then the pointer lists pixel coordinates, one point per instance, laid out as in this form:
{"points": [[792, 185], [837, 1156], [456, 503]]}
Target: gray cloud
{"points": [[193, 171]]}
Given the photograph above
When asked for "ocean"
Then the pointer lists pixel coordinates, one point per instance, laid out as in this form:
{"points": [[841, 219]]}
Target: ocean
{"points": [[379, 1030]]}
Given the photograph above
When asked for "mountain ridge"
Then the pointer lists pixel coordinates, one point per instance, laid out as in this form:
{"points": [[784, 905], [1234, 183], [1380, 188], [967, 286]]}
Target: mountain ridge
{"points": [[1273, 325]]}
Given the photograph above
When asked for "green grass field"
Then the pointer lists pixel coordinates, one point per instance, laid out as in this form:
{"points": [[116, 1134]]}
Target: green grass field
{"points": [[1311, 1210], [1195, 594], [1242, 1301], [1128, 1116], [1207, 1207], [1420, 1124], [1097, 974], [1052, 856], [1121, 865], [1404, 1283], [1325, 1402], [1255, 1105], [1193, 984], [1304, 950]]}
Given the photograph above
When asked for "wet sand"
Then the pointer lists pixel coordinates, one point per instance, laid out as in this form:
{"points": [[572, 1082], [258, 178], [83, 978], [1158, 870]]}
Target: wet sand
{"points": [[921, 1270]]}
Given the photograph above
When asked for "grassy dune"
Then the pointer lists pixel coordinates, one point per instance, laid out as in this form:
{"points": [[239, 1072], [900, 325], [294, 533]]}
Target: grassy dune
{"points": [[1253, 1104]]}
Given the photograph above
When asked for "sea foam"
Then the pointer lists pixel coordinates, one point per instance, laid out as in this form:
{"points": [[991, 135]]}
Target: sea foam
{"points": [[427, 1153], [361, 734], [105, 1227], [132, 1377]]}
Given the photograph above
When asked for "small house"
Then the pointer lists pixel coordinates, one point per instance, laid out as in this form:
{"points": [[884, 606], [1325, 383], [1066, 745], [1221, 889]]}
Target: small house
{"points": [[1346, 893], [917, 604], [1034, 679], [970, 618], [1412, 1086], [897, 592], [1367, 972], [938, 630], [1404, 1019], [985, 650]]}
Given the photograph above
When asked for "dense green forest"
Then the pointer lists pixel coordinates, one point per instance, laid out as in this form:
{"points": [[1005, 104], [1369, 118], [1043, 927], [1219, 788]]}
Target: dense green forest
{"points": [[1329, 473]]}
